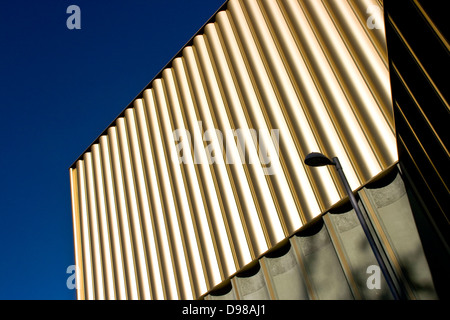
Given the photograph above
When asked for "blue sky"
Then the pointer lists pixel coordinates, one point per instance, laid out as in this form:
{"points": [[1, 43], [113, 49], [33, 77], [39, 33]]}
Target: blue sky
{"points": [[59, 89]]}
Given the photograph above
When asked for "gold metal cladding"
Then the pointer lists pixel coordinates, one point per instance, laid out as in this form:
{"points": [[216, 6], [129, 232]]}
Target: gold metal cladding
{"points": [[345, 125], [77, 234], [231, 206], [188, 193], [125, 229], [259, 187], [166, 283], [256, 102], [85, 233], [168, 203], [106, 256], [205, 122], [104, 243], [242, 184], [246, 113], [200, 180], [134, 214], [377, 39], [94, 228], [145, 223], [167, 197], [113, 220]]}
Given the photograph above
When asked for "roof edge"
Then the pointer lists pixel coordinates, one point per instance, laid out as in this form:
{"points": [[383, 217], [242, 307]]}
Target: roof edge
{"points": [[158, 75]]}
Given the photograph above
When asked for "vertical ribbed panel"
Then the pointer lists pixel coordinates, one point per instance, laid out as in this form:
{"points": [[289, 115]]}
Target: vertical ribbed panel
{"points": [[104, 241], [85, 234], [77, 241], [203, 172], [112, 219], [124, 223]]}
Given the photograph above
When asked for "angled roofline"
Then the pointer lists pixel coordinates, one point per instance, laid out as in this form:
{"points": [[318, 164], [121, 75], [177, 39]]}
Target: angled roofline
{"points": [[158, 75]]}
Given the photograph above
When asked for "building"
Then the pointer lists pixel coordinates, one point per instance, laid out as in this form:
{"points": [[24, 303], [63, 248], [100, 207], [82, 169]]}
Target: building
{"points": [[198, 189]]}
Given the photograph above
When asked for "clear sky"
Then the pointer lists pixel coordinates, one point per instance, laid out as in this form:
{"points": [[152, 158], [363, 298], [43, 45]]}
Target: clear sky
{"points": [[59, 89]]}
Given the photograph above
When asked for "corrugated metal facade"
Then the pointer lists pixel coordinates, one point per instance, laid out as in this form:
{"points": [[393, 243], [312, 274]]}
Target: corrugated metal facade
{"points": [[203, 172]]}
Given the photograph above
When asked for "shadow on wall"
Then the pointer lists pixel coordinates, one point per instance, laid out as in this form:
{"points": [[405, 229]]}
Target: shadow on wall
{"points": [[435, 248], [408, 235], [331, 259]]}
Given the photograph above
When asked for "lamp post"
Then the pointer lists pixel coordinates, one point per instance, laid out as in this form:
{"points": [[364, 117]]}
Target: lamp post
{"points": [[316, 159]]}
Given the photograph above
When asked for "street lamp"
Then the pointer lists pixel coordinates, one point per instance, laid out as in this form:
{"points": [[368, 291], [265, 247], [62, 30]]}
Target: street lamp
{"points": [[316, 159]]}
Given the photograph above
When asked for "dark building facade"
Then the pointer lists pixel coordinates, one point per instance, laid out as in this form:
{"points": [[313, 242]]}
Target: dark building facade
{"points": [[419, 52]]}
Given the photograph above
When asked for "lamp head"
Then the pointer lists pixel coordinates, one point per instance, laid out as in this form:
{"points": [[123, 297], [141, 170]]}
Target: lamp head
{"points": [[316, 159]]}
